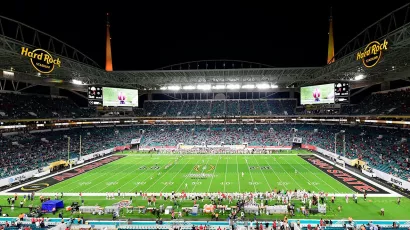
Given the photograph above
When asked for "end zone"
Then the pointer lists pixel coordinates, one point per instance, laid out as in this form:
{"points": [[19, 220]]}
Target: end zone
{"points": [[349, 178], [48, 181]]}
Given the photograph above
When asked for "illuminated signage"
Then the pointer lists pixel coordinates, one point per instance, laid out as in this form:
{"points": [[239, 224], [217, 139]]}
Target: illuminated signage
{"points": [[41, 59], [371, 55]]}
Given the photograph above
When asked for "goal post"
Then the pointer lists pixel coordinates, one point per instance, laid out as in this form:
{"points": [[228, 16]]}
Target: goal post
{"points": [[340, 163]]}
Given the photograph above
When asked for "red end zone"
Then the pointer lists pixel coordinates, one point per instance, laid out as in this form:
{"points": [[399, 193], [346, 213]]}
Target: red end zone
{"points": [[351, 181], [39, 185]]}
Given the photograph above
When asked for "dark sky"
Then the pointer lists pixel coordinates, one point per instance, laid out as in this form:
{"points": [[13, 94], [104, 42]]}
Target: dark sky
{"points": [[151, 34]]}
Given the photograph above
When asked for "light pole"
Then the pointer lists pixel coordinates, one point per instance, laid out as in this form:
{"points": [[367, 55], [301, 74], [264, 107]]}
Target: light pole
{"points": [[68, 150], [344, 144], [335, 143], [80, 149], [344, 141]]}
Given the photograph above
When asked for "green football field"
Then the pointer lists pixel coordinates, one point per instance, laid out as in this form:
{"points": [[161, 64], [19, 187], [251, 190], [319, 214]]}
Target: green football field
{"points": [[202, 173]]}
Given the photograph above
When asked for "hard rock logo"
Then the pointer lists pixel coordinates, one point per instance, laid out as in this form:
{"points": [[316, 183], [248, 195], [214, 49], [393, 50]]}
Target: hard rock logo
{"points": [[41, 59], [372, 54]]}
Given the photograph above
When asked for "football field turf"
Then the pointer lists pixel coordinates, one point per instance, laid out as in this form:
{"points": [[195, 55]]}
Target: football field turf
{"points": [[202, 173]]}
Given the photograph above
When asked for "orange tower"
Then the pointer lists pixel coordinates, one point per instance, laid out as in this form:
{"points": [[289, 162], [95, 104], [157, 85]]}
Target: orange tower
{"points": [[331, 45], [108, 56]]}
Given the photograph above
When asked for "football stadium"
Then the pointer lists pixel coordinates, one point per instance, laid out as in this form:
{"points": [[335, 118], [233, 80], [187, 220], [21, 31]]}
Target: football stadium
{"points": [[212, 144]]}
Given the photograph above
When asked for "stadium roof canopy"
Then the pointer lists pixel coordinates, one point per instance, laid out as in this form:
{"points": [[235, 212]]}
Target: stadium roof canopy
{"points": [[395, 64]]}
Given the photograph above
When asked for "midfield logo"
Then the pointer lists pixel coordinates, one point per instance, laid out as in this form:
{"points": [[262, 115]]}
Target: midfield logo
{"points": [[206, 168]]}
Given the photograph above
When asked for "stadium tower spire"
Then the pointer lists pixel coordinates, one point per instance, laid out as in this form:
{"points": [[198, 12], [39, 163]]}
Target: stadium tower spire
{"points": [[331, 45], [108, 56]]}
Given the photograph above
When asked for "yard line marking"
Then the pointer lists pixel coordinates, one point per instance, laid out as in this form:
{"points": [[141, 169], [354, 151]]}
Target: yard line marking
{"points": [[86, 175], [321, 178], [146, 190], [113, 175], [213, 174], [76, 179], [106, 172], [172, 179], [193, 190], [226, 170], [303, 175], [276, 175], [253, 182], [300, 187], [127, 174], [199, 159], [237, 169], [270, 188], [142, 171]]}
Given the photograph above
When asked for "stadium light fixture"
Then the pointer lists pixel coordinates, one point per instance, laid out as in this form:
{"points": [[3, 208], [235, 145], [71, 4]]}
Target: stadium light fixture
{"points": [[218, 87], [274, 86], [263, 86], [248, 86], [204, 87], [163, 88], [8, 73], [189, 87], [174, 87], [77, 82], [233, 86], [359, 77]]}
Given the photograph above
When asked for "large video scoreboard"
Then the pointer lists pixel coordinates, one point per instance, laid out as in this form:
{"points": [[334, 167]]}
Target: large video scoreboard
{"points": [[333, 93], [95, 95], [115, 97], [342, 93]]}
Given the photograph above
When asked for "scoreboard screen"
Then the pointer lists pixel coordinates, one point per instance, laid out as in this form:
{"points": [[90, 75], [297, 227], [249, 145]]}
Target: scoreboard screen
{"points": [[342, 92], [317, 94], [120, 97], [95, 95], [94, 92]]}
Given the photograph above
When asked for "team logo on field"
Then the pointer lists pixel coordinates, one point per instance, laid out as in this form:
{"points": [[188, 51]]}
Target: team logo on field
{"points": [[34, 187], [207, 168]]}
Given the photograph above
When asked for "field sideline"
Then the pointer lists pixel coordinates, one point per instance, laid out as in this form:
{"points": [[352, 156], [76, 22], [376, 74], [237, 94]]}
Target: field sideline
{"points": [[201, 174]]}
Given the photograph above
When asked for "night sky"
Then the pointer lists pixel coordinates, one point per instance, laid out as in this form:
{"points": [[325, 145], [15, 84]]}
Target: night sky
{"points": [[148, 35]]}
